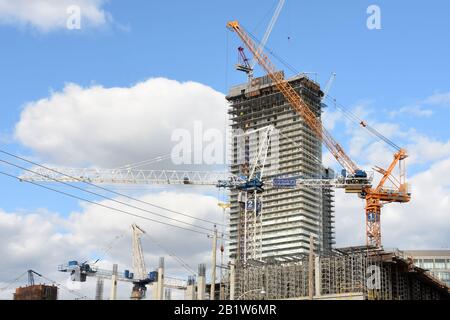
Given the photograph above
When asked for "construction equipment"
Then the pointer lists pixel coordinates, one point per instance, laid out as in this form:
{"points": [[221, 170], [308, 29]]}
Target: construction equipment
{"points": [[327, 88], [375, 197], [188, 178], [31, 277], [139, 286], [249, 183], [81, 271], [244, 64], [140, 278], [330, 82]]}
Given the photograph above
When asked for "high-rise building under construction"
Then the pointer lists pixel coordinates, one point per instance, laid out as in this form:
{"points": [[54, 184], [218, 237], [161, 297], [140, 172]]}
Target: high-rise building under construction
{"points": [[289, 216]]}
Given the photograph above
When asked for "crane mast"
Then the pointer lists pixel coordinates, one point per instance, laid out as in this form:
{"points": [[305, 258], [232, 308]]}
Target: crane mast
{"points": [[138, 255], [380, 195], [139, 286]]}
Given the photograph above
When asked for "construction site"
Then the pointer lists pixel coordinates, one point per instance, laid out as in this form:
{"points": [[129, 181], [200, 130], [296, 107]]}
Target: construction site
{"points": [[280, 233]]}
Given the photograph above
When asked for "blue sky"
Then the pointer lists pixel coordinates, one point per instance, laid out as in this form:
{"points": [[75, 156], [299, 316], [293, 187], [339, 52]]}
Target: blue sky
{"points": [[400, 65], [397, 76]]}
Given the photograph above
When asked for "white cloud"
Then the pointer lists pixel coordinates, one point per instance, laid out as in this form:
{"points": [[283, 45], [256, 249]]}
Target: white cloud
{"points": [[424, 222], [111, 127], [423, 149], [422, 107], [92, 125], [108, 127], [41, 241], [350, 220], [439, 99], [331, 118], [49, 15], [328, 160], [416, 111]]}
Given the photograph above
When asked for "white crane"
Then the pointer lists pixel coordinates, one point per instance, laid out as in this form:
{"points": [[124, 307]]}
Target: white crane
{"points": [[329, 84], [249, 184], [245, 65], [139, 278], [138, 255], [327, 89], [269, 29], [142, 279]]}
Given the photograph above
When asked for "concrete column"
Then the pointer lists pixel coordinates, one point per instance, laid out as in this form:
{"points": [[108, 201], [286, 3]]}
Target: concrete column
{"points": [[113, 295], [201, 282], [168, 294], [213, 266], [232, 279], [155, 291], [189, 294], [160, 285], [99, 289], [318, 280]]}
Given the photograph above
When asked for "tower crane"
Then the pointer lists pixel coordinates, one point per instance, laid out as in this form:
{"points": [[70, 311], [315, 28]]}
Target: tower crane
{"points": [[327, 88], [329, 84], [139, 286], [375, 197], [31, 274], [140, 278], [250, 185]]}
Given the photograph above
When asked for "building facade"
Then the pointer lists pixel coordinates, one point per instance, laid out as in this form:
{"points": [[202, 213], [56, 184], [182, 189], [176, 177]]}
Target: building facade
{"points": [[36, 292], [437, 262], [289, 216]]}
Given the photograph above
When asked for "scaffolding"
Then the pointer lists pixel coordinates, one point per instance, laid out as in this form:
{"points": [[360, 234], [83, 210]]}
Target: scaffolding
{"points": [[289, 215], [366, 272]]}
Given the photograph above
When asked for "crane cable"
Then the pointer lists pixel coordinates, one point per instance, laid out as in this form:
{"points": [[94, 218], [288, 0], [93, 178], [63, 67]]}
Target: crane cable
{"points": [[350, 115], [102, 205], [108, 248], [102, 196], [13, 281], [174, 256], [101, 188], [146, 162], [360, 122], [59, 285]]}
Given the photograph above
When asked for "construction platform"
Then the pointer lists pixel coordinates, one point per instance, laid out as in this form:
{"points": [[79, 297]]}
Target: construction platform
{"points": [[360, 273]]}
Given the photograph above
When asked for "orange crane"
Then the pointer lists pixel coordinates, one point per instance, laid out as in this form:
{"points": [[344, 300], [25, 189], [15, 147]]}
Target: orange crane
{"points": [[375, 197]]}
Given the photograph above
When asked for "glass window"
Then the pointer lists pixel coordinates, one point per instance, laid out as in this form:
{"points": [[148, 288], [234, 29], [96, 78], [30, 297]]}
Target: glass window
{"points": [[444, 276], [427, 264], [439, 263]]}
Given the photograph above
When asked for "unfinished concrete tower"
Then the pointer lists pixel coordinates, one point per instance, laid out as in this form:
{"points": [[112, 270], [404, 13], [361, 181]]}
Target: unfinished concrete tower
{"points": [[289, 216]]}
